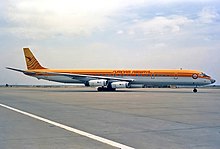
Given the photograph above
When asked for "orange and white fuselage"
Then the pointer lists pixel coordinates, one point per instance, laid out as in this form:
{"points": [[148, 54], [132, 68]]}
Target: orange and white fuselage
{"points": [[112, 79]]}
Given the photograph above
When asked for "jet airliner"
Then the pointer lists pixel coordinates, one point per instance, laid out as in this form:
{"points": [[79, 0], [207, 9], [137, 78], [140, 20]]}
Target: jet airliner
{"points": [[110, 80]]}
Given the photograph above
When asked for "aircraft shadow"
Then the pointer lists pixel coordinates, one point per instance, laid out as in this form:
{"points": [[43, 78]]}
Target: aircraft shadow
{"points": [[121, 91]]}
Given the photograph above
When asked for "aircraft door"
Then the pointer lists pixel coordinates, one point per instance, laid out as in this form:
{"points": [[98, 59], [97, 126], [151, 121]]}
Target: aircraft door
{"points": [[176, 76], [152, 76]]}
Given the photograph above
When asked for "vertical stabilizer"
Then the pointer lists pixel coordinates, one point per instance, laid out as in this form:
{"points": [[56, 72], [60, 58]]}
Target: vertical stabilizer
{"points": [[31, 61]]}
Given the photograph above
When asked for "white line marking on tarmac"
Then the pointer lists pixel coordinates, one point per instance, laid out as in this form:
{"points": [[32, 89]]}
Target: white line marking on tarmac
{"points": [[80, 132]]}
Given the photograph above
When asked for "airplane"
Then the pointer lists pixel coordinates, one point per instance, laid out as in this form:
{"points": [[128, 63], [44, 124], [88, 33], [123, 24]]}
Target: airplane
{"points": [[110, 80]]}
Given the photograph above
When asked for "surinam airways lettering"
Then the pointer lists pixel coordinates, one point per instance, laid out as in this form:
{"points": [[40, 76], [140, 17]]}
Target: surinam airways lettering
{"points": [[122, 71]]}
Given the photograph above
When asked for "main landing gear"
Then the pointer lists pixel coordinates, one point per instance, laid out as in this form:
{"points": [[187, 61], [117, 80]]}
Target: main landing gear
{"points": [[101, 89], [195, 90]]}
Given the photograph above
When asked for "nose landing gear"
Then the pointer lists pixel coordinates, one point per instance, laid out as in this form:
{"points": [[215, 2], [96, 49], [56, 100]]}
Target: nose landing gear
{"points": [[195, 90]]}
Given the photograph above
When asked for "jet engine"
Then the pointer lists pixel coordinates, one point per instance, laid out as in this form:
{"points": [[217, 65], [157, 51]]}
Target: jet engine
{"points": [[121, 84], [99, 82]]}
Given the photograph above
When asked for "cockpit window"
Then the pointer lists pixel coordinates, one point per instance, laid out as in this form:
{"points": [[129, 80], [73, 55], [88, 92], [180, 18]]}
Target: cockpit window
{"points": [[204, 75]]}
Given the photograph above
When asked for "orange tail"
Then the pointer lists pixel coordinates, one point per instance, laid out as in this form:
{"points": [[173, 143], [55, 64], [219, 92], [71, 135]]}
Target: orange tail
{"points": [[31, 61]]}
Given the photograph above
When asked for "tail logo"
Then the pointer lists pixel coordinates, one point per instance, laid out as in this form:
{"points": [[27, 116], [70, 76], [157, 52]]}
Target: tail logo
{"points": [[29, 59]]}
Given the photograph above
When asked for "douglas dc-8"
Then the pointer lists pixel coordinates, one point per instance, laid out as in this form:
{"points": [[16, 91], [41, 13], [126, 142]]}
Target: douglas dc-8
{"points": [[110, 80]]}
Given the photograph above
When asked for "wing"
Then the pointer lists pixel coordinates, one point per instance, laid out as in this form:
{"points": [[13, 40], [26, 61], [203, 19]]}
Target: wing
{"points": [[82, 77]]}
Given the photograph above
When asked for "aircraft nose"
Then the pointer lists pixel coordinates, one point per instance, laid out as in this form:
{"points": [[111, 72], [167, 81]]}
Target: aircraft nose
{"points": [[212, 81]]}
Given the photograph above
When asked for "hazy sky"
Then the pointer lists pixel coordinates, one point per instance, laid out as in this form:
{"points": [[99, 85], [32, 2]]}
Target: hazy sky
{"points": [[110, 34]]}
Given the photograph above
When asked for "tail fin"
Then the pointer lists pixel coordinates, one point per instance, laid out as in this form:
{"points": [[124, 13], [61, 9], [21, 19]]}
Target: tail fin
{"points": [[31, 61]]}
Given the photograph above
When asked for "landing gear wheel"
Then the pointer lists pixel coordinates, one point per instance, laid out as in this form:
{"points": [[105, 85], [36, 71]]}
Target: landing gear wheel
{"points": [[111, 89], [194, 90], [99, 89]]}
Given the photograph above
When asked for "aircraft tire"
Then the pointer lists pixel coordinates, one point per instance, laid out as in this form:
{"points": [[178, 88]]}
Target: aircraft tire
{"points": [[99, 89], [195, 90]]}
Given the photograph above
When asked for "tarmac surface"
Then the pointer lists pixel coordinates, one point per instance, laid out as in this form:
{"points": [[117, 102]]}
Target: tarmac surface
{"points": [[37, 118]]}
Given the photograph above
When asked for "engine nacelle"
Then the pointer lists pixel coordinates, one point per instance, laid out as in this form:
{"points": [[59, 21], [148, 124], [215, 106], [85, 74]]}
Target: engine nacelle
{"points": [[121, 84], [99, 82]]}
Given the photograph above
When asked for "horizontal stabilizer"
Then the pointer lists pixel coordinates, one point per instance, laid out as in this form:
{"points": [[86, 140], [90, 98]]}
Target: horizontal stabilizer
{"points": [[15, 69], [19, 70]]}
